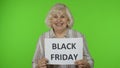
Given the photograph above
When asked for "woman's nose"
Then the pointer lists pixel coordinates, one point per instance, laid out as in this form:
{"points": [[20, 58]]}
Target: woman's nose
{"points": [[59, 20]]}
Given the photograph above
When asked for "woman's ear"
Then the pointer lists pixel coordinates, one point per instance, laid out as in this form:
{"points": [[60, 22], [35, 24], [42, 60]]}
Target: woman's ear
{"points": [[68, 20], [50, 25]]}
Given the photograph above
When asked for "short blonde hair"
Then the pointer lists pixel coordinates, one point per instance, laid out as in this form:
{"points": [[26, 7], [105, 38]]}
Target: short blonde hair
{"points": [[59, 7]]}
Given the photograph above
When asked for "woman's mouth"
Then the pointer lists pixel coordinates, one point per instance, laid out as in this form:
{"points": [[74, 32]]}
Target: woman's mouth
{"points": [[58, 24]]}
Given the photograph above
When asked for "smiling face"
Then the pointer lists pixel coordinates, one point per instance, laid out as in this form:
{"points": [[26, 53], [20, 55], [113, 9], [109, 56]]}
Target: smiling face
{"points": [[59, 20]]}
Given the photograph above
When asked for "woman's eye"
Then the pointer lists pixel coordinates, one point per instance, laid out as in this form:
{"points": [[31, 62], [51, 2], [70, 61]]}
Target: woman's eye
{"points": [[55, 16], [62, 16]]}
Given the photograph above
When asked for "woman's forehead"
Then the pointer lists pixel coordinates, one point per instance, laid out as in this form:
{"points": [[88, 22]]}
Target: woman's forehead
{"points": [[59, 12]]}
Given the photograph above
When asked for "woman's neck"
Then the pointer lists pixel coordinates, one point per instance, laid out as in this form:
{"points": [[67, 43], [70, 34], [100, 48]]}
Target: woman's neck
{"points": [[60, 33]]}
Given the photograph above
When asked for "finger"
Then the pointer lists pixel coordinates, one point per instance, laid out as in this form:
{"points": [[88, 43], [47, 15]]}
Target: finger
{"points": [[80, 63], [42, 65], [81, 66], [77, 61], [43, 60]]}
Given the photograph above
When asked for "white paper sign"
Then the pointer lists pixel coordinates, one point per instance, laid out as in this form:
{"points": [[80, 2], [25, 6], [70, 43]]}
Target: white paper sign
{"points": [[63, 50]]}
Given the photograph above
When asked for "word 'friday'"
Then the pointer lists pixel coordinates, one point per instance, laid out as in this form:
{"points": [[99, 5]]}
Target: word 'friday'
{"points": [[64, 57], [63, 46]]}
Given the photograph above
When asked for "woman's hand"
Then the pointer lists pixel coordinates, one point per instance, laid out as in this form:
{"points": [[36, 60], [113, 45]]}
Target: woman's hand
{"points": [[42, 63], [82, 64]]}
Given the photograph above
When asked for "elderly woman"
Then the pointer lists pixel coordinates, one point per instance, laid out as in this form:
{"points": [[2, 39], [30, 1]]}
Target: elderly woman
{"points": [[60, 21]]}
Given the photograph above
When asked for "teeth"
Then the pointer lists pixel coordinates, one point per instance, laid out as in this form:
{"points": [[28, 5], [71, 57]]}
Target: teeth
{"points": [[59, 24]]}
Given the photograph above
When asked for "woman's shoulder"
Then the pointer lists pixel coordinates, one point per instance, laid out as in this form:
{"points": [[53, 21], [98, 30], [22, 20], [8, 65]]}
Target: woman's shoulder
{"points": [[77, 33], [44, 35]]}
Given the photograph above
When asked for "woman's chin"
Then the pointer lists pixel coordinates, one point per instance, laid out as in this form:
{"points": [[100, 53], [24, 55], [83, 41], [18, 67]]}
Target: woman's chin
{"points": [[59, 29]]}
